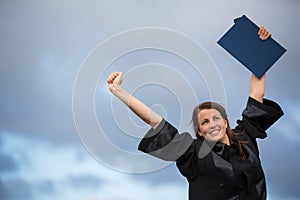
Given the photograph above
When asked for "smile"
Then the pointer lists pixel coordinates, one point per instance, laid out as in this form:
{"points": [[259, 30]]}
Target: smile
{"points": [[214, 132]]}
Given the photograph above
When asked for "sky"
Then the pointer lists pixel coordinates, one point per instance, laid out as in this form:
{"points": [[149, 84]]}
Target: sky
{"points": [[49, 146]]}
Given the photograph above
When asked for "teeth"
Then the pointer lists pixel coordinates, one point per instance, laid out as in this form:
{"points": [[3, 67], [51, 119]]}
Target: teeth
{"points": [[214, 132]]}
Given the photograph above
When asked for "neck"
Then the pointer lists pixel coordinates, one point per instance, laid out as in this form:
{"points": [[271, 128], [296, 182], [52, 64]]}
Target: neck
{"points": [[225, 140]]}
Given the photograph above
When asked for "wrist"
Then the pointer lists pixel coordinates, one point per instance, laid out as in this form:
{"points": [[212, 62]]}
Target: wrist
{"points": [[117, 90]]}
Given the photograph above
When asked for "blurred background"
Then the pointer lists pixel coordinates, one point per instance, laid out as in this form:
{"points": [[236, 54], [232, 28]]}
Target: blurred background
{"points": [[42, 47]]}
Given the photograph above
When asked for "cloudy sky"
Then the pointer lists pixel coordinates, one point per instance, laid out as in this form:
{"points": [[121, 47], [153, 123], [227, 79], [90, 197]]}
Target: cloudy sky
{"points": [[45, 152]]}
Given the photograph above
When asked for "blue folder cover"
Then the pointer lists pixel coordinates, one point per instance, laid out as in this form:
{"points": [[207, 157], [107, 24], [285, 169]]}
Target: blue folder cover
{"points": [[243, 43]]}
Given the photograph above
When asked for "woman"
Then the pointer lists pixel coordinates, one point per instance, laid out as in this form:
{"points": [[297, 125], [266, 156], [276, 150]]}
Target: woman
{"points": [[221, 163]]}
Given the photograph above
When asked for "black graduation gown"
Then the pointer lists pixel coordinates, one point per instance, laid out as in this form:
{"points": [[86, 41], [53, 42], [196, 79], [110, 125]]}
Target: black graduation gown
{"points": [[220, 173]]}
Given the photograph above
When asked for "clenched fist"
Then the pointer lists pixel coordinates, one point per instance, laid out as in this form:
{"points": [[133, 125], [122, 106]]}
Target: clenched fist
{"points": [[114, 80]]}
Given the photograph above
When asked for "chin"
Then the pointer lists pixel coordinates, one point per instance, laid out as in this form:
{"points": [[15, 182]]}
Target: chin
{"points": [[212, 139]]}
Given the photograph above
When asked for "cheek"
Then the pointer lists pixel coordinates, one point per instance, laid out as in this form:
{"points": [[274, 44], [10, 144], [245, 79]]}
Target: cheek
{"points": [[222, 124], [203, 129], [223, 127]]}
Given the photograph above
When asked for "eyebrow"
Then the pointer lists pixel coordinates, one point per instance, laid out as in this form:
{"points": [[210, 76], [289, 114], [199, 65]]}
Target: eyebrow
{"points": [[216, 115], [203, 120]]}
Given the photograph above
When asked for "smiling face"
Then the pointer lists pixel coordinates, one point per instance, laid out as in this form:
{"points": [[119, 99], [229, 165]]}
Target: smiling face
{"points": [[212, 126]]}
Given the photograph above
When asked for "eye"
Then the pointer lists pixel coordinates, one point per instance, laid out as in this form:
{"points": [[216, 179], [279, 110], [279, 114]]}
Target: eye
{"points": [[204, 122], [217, 118]]}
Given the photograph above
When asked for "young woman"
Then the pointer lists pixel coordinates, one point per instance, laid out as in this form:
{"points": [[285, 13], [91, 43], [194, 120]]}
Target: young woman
{"points": [[231, 168]]}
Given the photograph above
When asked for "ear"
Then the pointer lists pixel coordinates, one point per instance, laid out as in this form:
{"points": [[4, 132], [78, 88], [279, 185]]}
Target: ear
{"points": [[226, 123]]}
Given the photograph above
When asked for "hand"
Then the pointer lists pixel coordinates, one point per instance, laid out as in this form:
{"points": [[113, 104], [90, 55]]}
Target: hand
{"points": [[263, 33], [114, 80]]}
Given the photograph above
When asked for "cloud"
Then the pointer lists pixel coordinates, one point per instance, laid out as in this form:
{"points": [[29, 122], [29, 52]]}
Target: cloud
{"points": [[85, 181], [7, 163], [168, 175], [45, 187], [59, 171], [15, 188], [281, 166], [278, 155], [289, 125], [43, 45]]}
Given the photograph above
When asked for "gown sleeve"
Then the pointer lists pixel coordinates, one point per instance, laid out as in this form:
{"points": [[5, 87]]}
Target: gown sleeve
{"points": [[165, 142], [257, 117]]}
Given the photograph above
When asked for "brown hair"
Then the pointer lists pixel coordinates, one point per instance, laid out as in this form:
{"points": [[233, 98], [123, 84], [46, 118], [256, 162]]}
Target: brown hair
{"points": [[232, 135]]}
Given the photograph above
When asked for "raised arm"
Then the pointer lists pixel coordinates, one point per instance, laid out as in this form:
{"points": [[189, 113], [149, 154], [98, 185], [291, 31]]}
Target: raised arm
{"points": [[257, 86], [139, 108]]}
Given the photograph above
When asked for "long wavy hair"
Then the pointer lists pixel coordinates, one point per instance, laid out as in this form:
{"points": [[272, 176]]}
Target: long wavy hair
{"points": [[232, 135]]}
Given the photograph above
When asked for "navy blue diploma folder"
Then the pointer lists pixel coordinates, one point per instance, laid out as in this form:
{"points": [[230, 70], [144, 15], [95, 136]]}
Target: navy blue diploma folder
{"points": [[243, 43]]}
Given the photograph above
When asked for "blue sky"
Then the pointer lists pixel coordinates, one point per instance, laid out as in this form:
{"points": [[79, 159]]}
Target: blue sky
{"points": [[43, 47]]}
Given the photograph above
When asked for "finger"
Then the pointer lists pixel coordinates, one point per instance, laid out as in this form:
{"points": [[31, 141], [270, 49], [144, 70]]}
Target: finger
{"points": [[260, 30], [109, 81], [112, 74], [266, 35], [116, 74], [110, 78], [264, 32]]}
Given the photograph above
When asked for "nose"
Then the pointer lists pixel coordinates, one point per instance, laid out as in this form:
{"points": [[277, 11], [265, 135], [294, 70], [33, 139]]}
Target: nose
{"points": [[212, 125]]}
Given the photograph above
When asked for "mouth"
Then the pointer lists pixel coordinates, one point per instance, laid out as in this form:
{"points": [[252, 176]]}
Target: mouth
{"points": [[214, 132]]}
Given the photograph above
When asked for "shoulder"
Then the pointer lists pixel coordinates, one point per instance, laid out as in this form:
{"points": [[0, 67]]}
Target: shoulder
{"points": [[268, 111], [257, 117], [165, 142]]}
